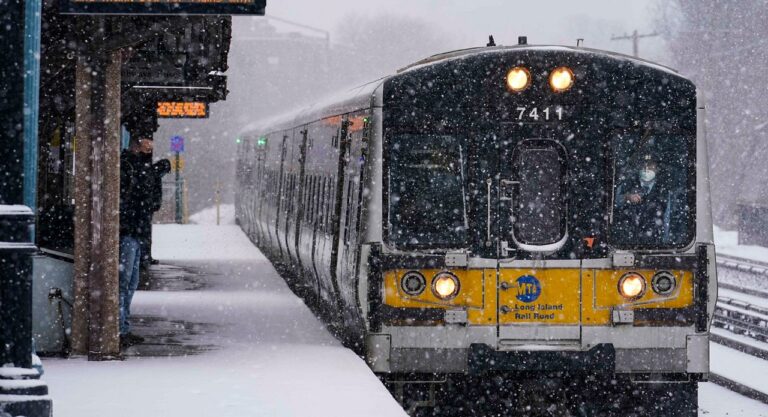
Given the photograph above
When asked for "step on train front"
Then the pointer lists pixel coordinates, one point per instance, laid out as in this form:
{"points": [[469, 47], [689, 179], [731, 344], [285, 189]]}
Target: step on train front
{"points": [[513, 211]]}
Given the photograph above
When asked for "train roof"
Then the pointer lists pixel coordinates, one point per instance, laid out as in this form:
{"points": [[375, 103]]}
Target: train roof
{"points": [[360, 97], [460, 53], [344, 102]]}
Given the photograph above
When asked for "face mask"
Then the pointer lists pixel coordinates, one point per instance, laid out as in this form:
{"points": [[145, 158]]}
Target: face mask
{"points": [[647, 175]]}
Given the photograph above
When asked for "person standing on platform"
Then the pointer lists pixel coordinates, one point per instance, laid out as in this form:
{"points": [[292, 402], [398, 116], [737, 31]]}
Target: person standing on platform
{"points": [[131, 212]]}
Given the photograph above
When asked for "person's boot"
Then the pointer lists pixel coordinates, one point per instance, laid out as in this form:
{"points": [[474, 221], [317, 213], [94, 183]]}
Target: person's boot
{"points": [[130, 339]]}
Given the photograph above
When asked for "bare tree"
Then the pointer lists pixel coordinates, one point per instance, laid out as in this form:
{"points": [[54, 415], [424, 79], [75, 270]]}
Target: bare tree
{"points": [[721, 45]]}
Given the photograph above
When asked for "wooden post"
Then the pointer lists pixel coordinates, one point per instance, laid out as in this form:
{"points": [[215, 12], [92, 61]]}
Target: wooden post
{"points": [[82, 205], [97, 205]]}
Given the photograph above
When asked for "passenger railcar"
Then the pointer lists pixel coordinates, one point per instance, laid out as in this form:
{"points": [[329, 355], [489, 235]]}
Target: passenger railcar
{"points": [[528, 213]]}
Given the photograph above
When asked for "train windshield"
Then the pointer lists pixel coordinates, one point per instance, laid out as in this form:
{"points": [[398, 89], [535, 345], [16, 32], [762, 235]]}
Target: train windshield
{"points": [[427, 198], [653, 190], [540, 207]]}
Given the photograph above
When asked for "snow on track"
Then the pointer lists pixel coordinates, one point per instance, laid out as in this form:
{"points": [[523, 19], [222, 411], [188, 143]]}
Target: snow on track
{"points": [[272, 356], [739, 367], [716, 401]]}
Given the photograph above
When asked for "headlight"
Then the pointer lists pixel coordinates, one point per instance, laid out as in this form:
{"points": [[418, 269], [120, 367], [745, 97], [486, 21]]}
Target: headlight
{"points": [[663, 283], [518, 79], [413, 283], [632, 286], [445, 285], [561, 79]]}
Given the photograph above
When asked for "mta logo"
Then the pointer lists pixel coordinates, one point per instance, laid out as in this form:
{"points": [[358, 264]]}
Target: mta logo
{"points": [[528, 288]]}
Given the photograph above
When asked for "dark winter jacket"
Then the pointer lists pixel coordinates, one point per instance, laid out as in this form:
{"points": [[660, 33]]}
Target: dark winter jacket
{"points": [[648, 220], [140, 193]]}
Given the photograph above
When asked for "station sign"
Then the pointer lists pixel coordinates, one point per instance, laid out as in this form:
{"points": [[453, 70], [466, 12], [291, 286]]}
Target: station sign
{"points": [[164, 7], [182, 109], [177, 144]]}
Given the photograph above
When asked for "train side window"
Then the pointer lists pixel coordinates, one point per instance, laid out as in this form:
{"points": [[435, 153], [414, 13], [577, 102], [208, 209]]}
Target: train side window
{"points": [[312, 201], [315, 200], [329, 205], [653, 191], [348, 211], [305, 197], [318, 201], [323, 206], [427, 198], [307, 194], [308, 199], [539, 211]]}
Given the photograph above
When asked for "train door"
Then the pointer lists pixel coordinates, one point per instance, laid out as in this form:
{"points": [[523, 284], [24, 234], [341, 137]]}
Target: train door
{"points": [[295, 208], [349, 194], [336, 203], [538, 301], [282, 202], [258, 196]]}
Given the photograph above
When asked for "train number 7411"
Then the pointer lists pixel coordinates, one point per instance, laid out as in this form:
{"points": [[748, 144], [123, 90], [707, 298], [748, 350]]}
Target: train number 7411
{"points": [[536, 113]]}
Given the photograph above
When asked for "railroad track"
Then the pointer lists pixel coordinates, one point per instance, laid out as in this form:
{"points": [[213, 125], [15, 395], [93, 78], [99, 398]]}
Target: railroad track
{"points": [[736, 314], [741, 317], [742, 264]]}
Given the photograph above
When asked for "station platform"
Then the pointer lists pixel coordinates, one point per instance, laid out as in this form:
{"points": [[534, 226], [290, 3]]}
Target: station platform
{"points": [[225, 337]]}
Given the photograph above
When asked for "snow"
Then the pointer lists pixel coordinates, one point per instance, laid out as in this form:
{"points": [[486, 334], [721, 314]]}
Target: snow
{"points": [[271, 356], [10, 372], [716, 401], [208, 216], [747, 340], [176, 242], [739, 367], [727, 243], [737, 295], [14, 209]]}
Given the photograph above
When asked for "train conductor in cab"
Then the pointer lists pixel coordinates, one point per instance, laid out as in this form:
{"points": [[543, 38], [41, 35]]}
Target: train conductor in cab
{"points": [[643, 203]]}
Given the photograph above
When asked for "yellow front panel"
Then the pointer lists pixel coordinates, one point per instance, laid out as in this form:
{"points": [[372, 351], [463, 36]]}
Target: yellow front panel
{"points": [[541, 296], [537, 296], [470, 290], [601, 294], [475, 287]]}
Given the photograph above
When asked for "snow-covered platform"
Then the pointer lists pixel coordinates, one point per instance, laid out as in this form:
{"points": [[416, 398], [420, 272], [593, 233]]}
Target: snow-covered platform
{"points": [[226, 337]]}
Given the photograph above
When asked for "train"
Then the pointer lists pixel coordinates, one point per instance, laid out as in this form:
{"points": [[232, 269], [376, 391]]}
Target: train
{"points": [[520, 227]]}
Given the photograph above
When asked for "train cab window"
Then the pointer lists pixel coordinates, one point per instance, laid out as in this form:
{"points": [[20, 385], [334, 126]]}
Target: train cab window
{"points": [[427, 191], [539, 209], [653, 191]]}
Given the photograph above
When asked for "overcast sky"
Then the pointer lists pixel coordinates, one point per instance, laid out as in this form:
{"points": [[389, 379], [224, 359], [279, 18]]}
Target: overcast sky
{"points": [[471, 21]]}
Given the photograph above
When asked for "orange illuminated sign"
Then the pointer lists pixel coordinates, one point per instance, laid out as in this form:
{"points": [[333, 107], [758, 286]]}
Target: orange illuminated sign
{"points": [[182, 109]]}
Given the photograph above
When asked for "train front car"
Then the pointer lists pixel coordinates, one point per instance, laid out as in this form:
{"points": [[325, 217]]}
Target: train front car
{"points": [[543, 215]]}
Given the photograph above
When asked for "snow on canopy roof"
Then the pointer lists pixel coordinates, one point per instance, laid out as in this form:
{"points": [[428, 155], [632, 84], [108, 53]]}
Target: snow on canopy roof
{"points": [[344, 102], [14, 210], [461, 53]]}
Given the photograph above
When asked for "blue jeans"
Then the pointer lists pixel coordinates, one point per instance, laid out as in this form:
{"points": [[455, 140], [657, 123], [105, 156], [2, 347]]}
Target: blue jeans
{"points": [[130, 259]]}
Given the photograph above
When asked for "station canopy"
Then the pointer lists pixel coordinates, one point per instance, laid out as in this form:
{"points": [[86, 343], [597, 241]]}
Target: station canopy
{"points": [[164, 7]]}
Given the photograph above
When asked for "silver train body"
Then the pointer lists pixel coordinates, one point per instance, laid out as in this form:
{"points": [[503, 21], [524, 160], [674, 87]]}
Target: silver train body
{"points": [[372, 201]]}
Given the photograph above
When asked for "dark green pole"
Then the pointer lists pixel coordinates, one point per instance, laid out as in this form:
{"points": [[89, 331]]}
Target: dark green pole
{"points": [[178, 189]]}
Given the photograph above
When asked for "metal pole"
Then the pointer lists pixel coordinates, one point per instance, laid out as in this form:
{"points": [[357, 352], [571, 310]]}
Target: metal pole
{"points": [[218, 201], [32, 13], [635, 38], [635, 41], [178, 189]]}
